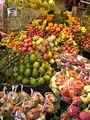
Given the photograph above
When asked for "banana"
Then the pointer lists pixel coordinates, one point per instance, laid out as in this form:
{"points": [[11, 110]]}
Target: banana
{"points": [[44, 24], [32, 5], [33, 1], [40, 2], [36, 22]]}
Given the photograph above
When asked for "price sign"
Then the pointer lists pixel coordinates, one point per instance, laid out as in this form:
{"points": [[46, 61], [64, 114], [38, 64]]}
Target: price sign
{"points": [[12, 12]]}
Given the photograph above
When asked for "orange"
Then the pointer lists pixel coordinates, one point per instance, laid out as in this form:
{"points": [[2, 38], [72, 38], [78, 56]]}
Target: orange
{"points": [[49, 18], [50, 24], [52, 28], [55, 25], [71, 93], [47, 28], [58, 29], [60, 26]]}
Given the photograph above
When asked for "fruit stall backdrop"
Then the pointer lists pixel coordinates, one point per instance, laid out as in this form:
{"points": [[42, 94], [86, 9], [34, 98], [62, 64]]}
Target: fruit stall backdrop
{"points": [[44, 72]]}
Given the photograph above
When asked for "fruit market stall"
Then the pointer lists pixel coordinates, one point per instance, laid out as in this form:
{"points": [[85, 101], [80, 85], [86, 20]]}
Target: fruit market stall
{"points": [[44, 68]]}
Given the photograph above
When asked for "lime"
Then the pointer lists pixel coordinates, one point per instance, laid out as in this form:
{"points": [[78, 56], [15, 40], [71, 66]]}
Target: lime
{"points": [[19, 79], [33, 82], [25, 81], [36, 65]]}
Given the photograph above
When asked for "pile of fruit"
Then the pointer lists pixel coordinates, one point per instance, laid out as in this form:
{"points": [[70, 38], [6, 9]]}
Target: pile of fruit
{"points": [[63, 28], [28, 69], [46, 42], [34, 71], [11, 40], [34, 30], [76, 62], [21, 105], [74, 91], [85, 41]]}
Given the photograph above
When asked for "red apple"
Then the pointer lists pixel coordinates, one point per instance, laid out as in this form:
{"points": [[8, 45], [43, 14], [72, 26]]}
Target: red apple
{"points": [[26, 45], [34, 47], [24, 49], [19, 49], [29, 49], [45, 57], [20, 43], [45, 43], [63, 48], [30, 44], [43, 49], [27, 40], [69, 48]]}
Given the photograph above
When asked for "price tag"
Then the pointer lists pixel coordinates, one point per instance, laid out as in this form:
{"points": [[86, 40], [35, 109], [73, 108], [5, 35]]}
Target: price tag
{"points": [[12, 12], [87, 66]]}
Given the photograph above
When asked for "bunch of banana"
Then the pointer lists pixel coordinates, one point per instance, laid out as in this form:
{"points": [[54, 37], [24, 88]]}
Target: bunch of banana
{"points": [[44, 24], [36, 22], [45, 12], [34, 4]]}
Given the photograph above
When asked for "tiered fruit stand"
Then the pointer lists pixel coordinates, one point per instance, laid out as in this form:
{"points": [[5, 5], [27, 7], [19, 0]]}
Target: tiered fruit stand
{"points": [[42, 71]]}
